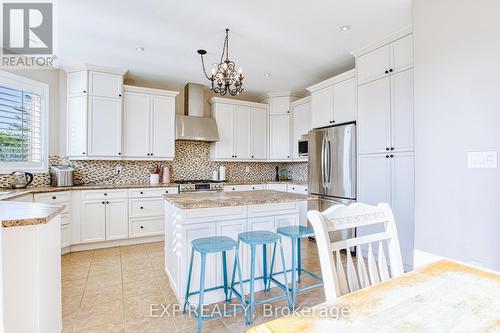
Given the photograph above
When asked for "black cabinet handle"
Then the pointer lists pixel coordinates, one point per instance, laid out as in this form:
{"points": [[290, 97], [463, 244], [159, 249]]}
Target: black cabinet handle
{"points": [[166, 191], [392, 148], [107, 202], [119, 153], [105, 194], [253, 188], [103, 202], [83, 153], [390, 70], [392, 156], [119, 95], [54, 198], [142, 227], [252, 156], [386, 156], [142, 192], [85, 91], [234, 189], [142, 207], [386, 72], [387, 148], [288, 157]]}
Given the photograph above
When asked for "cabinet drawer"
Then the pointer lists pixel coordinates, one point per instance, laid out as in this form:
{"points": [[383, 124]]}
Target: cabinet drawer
{"points": [[244, 187], [273, 209], [54, 197], [104, 194], [300, 189], [151, 192], [146, 207], [65, 218], [65, 236], [146, 227], [276, 187]]}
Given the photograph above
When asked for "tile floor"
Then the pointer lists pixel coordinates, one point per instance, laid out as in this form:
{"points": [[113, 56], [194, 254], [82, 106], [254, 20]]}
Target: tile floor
{"points": [[111, 290]]}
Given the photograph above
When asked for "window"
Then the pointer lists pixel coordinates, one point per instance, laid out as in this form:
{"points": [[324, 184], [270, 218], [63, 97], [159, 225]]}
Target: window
{"points": [[23, 124]]}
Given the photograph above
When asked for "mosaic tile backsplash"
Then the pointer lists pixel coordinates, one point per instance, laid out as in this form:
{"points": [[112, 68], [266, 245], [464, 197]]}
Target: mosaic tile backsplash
{"points": [[192, 161]]}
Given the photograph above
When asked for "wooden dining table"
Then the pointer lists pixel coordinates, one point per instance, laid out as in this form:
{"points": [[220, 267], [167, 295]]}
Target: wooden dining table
{"points": [[444, 296]]}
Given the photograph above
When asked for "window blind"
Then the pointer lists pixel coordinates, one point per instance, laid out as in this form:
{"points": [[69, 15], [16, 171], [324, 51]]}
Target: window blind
{"points": [[20, 126]]}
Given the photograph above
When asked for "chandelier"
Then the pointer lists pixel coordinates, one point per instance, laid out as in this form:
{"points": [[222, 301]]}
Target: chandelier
{"points": [[224, 77]]}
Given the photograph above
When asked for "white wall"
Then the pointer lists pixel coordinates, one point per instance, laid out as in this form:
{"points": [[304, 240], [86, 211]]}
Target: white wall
{"points": [[457, 109]]}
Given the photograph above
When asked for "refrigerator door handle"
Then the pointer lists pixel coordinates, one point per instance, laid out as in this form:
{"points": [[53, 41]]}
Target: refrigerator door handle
{"points": [[329, 161], [323, 160]]}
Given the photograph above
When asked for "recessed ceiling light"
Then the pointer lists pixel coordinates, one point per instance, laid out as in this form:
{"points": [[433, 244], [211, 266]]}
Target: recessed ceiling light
{"points": [[345, 27], [267, 75], [139, 49]]}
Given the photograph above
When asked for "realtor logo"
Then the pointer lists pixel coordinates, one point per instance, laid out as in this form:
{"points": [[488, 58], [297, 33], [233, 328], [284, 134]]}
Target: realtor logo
{"points": [[27, 28]]}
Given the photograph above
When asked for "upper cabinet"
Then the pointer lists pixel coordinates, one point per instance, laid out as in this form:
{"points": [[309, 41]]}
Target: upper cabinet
{"points": [[301, 123], [94, 114], [334, 101], [242, 130], [385, 60], [148, 123]]}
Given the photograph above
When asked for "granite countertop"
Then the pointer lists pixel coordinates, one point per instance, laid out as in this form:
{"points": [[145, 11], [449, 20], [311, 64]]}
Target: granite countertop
{"points": [[14, 193], [16, 214], [193, 200]]}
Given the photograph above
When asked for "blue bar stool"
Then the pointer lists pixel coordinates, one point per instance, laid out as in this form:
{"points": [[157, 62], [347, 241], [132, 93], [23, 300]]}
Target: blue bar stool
{"points": [[296, 232], [205, 246], [254, 239]]}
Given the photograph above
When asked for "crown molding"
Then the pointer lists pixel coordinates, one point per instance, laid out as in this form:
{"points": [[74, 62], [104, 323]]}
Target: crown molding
{"points": [[388, 39]]}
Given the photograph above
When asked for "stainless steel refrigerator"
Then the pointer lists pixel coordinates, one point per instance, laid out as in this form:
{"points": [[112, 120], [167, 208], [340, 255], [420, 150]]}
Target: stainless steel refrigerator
{"points": [[332, 165]]}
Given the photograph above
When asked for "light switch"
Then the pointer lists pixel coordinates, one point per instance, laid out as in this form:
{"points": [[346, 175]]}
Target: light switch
{"points": [[482, 160]]}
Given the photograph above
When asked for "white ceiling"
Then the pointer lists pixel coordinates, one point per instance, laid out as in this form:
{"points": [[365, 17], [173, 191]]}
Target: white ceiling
{"points": [[298, 42]]}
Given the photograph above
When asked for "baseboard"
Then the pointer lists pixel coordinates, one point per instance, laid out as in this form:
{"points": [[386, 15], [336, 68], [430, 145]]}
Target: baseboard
{"points": [[65, 250], [114, 243], [422, 258]]}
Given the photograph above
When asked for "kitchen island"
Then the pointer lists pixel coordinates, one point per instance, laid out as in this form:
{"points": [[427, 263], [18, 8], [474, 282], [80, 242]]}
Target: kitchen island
{"points": [[189, 216]]}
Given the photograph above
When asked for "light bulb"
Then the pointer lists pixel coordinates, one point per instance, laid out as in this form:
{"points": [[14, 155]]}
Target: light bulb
{"points": [[240, 71], [213, 70]]}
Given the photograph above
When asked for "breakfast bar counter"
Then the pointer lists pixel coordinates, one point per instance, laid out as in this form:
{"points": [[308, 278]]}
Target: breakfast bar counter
{"points": [[189, 216]]}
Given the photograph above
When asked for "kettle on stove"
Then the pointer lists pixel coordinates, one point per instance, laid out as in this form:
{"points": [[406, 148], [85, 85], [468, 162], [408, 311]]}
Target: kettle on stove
{"points": [[21, 179]]}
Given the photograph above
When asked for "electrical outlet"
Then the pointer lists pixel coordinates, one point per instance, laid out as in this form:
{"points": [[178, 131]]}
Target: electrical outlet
{"points": [[247, 169], [118, 168], [482, 160]]}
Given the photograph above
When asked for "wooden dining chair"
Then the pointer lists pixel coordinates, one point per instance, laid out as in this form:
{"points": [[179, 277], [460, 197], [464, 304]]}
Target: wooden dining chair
{"points": [[338, 280]]}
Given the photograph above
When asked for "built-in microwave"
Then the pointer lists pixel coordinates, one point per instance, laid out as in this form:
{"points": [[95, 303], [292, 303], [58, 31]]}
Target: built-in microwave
{"points": [[303, 146]]}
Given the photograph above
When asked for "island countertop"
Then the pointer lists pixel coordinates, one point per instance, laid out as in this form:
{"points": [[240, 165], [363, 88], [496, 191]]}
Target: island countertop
{"points": [[212, 199], [15, 214]]}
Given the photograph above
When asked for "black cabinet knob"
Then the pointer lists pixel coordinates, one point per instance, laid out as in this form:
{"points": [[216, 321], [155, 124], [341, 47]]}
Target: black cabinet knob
{"points": [[386, 72], [54, 198], [390, 70], [252, 156], [142, 207], [119, 95], [103, 202], [392, 156], [142, 192], [387, 148], [107, 202], [83, 153], [119, 153], [85, 91], [234, 189], [386, 156], [142, 227], [166, 191], [105, 194], [392, 148], [288, 156], [253, 188]]}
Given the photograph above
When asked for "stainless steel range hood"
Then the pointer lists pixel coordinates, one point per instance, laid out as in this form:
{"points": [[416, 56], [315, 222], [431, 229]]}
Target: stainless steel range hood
{"points": [[193, 125]]}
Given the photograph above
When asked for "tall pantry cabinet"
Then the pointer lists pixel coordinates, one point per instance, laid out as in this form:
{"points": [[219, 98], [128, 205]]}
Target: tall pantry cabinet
{"points": [[386, 133]]}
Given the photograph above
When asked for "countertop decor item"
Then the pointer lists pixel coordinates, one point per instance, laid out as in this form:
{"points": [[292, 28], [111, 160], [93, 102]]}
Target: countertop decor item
{"points": [[224, 77], [166, 174], [154, 176], [21, 179]]}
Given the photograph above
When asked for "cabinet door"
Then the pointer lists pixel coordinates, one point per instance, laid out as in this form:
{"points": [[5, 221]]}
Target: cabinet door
{"points": [[105, 84], [163, 127], [224, 117], [279, 105], [258, 133], [344, 101], [116, 219], [77, 126], [279, 129], [374, 102], [402, 54], [402, 117], [77, 83], [93, 221], [322, 107], [105, 126], [373, 65], [301, 125], [402, 202], [136, 123], [242, 132]]}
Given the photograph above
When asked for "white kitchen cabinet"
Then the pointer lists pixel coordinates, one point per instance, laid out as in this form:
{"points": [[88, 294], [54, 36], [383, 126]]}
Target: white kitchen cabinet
{"points": [[344, 101], [385, 60], [277, 187], [93, 221], [104, 84], [383, 178], [105, 130], [333, 101], [77, 126], [374, 107], [258, 135], [242, 130], [385, 114], [301, 123], [94, 112], [299, 189], [242, 115], [279, 105], [279, 137], [148, 123], [322, 107], [116, 219]]}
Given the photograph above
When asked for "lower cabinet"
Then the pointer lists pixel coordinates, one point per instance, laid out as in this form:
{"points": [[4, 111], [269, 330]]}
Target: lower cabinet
{"points": [[254, 187], [116, 219], [277, 187], [93, 221]]}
